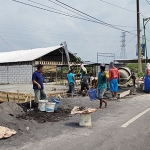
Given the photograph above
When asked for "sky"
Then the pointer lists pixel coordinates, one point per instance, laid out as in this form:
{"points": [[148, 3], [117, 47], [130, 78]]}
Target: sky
{"points": [[25, 27]]}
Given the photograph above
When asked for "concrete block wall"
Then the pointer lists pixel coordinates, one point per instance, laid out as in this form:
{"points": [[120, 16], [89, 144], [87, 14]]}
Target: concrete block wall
{"points": [[3, 74], [16, 74]]}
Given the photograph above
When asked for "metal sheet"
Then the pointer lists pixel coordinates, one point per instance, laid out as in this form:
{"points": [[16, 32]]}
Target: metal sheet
{"points": [[25, 55]]}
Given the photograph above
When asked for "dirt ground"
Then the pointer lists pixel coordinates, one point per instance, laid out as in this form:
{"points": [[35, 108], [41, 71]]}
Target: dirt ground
{"points": [[42, 117], [35, 125]]}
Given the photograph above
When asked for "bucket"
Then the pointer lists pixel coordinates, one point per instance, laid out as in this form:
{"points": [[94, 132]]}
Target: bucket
{"points": [[92, 94], [42, 105], [85, 120], [50, 107], [57, 103]]}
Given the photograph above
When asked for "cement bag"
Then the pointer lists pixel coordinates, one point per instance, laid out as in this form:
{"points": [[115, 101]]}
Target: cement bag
{"points": [[6, 132], [83, 68]]}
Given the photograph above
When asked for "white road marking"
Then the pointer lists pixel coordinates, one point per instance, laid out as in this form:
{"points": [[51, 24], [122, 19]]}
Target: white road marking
{"points": [[135, 118]]}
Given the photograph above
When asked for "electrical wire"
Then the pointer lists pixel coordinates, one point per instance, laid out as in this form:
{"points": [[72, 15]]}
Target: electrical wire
{"points": [[80, 14], [120, 7], [6, 43], [56, 9], [148, 2], [147, 30], [119, 50], [100, 22]]}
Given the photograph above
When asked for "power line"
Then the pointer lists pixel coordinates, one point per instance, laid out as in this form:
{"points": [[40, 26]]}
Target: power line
{"points": [[120, 7], [148, 2], [68, 15], [81, 15], [99, 21], [147, 30], [126, 44], [6, 42], [102, 22], [117, 6], [119, 50], [56, 9]]}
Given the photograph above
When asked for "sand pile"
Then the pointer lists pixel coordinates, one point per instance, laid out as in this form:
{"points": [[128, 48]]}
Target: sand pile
{"points": [[8, 113]]}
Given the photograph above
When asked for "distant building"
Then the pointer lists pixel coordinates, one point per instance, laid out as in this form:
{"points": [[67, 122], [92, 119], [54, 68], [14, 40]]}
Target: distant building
{"points": [[16, 67]]}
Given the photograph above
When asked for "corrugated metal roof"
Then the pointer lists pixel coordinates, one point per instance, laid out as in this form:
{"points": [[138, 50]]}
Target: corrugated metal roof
{"points": [[25, 55]]}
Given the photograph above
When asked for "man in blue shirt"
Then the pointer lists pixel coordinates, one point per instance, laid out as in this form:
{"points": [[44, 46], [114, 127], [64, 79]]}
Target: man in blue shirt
{"points": [[38, 87], [71, 81]]}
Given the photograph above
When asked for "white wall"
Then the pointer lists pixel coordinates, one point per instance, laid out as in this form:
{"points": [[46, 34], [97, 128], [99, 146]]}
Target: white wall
{"points": [[16, 74]]}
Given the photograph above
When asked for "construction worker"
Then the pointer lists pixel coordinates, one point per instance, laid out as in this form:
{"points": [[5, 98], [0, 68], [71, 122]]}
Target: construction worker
{"points": [[102, 85], [114, 76], [83, 71], [147, 71], [38, 86]]}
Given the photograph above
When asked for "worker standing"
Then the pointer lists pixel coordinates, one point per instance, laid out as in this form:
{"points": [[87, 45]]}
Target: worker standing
{"points": [[71, 82], [102, 85], [147, 71], [37, 80], [114, 76]]}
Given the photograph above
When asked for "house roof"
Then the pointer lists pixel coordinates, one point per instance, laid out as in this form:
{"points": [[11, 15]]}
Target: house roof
{"points": [[25, 55], [130, 60]]}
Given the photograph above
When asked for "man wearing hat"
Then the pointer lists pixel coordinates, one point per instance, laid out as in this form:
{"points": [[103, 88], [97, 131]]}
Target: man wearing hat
{"points": [[102, 85]]}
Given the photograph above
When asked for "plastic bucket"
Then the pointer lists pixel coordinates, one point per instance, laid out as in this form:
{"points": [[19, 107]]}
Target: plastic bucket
{"points": [[92, 94], [42, 105], [50, 107], [57, 103]]}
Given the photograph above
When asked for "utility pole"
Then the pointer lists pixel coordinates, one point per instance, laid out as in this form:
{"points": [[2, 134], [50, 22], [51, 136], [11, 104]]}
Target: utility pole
{"points": [[144, 25], [138, 37]]}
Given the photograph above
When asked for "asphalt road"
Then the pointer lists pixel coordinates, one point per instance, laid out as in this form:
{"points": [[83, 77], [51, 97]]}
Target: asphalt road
{"points": [[124, 125]]}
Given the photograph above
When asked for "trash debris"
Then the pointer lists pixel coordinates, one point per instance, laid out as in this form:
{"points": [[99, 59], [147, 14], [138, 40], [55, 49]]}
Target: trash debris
{"points": [[6, 132], [82, 110]]}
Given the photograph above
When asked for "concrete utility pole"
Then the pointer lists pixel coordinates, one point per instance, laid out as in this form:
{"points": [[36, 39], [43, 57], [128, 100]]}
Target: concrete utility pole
{"points": [[138, 38], [145, 21]]}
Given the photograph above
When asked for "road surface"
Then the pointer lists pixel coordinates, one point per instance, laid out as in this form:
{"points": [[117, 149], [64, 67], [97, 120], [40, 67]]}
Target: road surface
{"points": [[124, 125]]}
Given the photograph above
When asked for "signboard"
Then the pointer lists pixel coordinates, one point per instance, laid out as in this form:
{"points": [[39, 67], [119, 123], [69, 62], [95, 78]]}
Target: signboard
{"points": [[142, 49]]}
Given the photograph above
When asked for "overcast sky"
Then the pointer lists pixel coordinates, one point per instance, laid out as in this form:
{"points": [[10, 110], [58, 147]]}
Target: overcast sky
{"points": [[25, 27]]}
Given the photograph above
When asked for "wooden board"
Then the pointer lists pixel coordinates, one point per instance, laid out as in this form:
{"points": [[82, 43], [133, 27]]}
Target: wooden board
{"points": [[22, 98]]}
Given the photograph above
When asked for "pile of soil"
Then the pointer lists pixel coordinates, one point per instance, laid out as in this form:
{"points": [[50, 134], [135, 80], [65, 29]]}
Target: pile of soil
{"points": [[42, 117]]}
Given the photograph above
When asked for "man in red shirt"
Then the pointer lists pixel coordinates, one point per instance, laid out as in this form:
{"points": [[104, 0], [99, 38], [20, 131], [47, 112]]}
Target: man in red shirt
{"points": [[114, 76]]}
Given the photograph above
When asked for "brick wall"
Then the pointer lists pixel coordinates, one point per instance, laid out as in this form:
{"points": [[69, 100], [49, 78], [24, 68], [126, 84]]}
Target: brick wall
{"points": [[16, 74]]}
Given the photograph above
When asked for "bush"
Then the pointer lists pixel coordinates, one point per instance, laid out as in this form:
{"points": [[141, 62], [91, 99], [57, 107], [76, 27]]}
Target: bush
{"points": [[140, 74]]}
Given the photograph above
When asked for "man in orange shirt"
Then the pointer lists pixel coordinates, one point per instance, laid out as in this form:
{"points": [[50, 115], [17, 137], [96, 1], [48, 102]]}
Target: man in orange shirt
{"points": [[114, 76]]}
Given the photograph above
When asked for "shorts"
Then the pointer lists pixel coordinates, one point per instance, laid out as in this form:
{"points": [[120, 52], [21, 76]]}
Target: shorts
{"points": [[84, 86], [101, 92], [39, 95], [114, 85], [71, 88]]}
